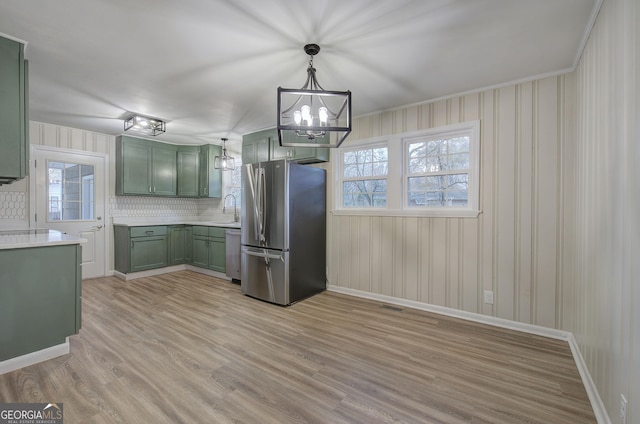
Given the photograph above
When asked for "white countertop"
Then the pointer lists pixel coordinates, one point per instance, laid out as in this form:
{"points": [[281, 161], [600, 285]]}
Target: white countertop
{"points": [[18, 239], [139, 222]]}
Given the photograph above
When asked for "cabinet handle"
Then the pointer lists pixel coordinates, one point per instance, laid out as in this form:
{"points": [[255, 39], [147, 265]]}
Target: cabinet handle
{"points": [[154, 189], [205, 190], [132, 243], [149, 189], [149, 232]]}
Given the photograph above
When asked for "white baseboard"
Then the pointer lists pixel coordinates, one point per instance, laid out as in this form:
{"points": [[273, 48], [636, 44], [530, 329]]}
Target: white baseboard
{"points": [[592, 392], [34, 357], [168, 269], [594, 397]]}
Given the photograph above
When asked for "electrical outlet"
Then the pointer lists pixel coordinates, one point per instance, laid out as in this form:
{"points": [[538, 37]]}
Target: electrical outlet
{"points": [[623, 409], [488, 297]]}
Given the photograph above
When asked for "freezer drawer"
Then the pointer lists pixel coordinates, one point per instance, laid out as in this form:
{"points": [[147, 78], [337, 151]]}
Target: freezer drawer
{"points": [[265, 274]]}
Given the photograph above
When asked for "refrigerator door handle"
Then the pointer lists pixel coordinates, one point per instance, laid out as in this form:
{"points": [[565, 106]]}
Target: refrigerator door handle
{"points": [[257, 203], [263, 205], [263, 255]]}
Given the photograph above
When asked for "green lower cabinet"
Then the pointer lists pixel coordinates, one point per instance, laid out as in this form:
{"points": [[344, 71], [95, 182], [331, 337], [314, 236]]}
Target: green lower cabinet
{"points": [[188, 244], [40, 298], [177, 246], [148, 247], [209, 248], [200, 251], [148, 253], [217, 254], [140, 248]]}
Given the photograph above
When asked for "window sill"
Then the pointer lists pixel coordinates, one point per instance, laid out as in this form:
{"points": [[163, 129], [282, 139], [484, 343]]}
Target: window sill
{"points": [[449, 213]]}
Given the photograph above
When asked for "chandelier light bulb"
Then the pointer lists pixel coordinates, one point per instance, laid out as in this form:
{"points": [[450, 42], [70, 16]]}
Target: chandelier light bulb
{"points": [[297, 116], [323, 115]]}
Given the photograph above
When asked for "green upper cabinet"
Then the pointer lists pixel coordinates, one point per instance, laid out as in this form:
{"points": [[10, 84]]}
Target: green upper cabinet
{"points": [[255, 147], [164, 169], [210, 178], [188, 171], [264, 146], [14, 112], [145, 167]]}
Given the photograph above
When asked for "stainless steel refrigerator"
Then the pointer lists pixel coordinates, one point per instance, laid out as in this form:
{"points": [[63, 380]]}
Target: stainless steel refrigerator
{"points": [[283, 231]]}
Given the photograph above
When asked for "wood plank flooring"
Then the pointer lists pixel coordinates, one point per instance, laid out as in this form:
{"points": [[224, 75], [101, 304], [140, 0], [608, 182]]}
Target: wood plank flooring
{"points": [[189, 348]]}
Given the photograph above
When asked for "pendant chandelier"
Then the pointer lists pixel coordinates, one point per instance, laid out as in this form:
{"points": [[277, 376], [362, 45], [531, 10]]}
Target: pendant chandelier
{"points": [[312, 116], [224, 162]]}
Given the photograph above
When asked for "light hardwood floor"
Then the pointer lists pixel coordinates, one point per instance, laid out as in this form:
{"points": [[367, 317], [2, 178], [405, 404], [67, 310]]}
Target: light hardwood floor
{"points": [[188, 348]]}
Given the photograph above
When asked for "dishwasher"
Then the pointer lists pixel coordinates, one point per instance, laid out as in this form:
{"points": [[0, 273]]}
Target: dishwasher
{"points": [[232, 239]]}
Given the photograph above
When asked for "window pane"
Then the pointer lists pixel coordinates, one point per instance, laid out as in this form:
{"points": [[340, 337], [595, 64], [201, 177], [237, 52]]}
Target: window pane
{"points": [[438, 190], [430, 182], [364, 193], [365, 163], [70, 191]]}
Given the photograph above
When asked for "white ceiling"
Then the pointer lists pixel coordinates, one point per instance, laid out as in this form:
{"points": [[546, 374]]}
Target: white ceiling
{"points": [[211, 68]]}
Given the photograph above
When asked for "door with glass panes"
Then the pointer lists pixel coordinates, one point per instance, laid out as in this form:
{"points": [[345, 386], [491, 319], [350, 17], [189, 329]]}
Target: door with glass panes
{"points": [[70, 197]]}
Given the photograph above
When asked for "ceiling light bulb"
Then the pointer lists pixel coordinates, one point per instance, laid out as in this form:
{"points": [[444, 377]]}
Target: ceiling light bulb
{"points": [[297, 116]]}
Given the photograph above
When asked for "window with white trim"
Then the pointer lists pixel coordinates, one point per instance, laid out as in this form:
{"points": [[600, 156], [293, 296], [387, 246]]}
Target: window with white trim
{"points": [[364, 177], [427, 173]]}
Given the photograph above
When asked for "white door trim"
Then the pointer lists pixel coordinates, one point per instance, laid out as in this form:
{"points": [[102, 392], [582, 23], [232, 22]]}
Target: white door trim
{"points": [[34, 149]]}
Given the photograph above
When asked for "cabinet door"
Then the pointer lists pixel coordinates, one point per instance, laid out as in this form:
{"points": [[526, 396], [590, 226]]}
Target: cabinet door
{"points": [[255, 147], [164, 170], [188, 167], [201, 251], [217, 254], [279, 152], [176, 245], [210, 178], [311, 154], [14, 119], [148, 253], [188, 244], [133, 166]]}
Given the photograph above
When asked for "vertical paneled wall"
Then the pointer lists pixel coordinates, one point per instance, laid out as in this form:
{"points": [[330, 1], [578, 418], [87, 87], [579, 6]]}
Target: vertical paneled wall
{"points": [[606, 294], [513, 248]]}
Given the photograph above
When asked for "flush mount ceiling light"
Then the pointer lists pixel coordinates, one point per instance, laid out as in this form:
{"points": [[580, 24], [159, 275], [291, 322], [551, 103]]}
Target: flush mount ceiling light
{"points": [[224, 162], [144, 125], [312, 116]]}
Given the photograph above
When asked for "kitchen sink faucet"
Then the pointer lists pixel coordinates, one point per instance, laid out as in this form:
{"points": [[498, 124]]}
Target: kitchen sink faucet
{"points": [[236, 216]]}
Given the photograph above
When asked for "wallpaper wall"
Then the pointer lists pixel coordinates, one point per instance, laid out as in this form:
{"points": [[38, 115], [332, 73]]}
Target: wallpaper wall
{"points": [[514, 248], [606, 295]]}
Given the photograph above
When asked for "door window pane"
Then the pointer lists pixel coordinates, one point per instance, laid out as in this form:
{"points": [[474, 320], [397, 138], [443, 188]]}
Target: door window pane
{"points": [[70, 191]]}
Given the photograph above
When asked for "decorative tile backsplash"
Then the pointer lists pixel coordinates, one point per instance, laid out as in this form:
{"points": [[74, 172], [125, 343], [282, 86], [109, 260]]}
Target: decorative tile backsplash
{"points": [[13, 205], [141, 206]]}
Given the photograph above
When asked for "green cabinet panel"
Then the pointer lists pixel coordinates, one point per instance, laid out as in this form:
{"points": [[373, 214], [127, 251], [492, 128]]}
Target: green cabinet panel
{"points": [[210, 178], [188, 244], [255, 147], [140, 248], [177, 247], [200, 251], [163, 169], [188, 170], [14, 112], [40, 298], [145, 167], [264, 146], [148, 253], [217, 254]]}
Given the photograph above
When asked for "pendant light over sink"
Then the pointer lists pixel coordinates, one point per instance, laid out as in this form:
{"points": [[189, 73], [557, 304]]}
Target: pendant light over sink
{"points": [[224, 162], [312, 116]]}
